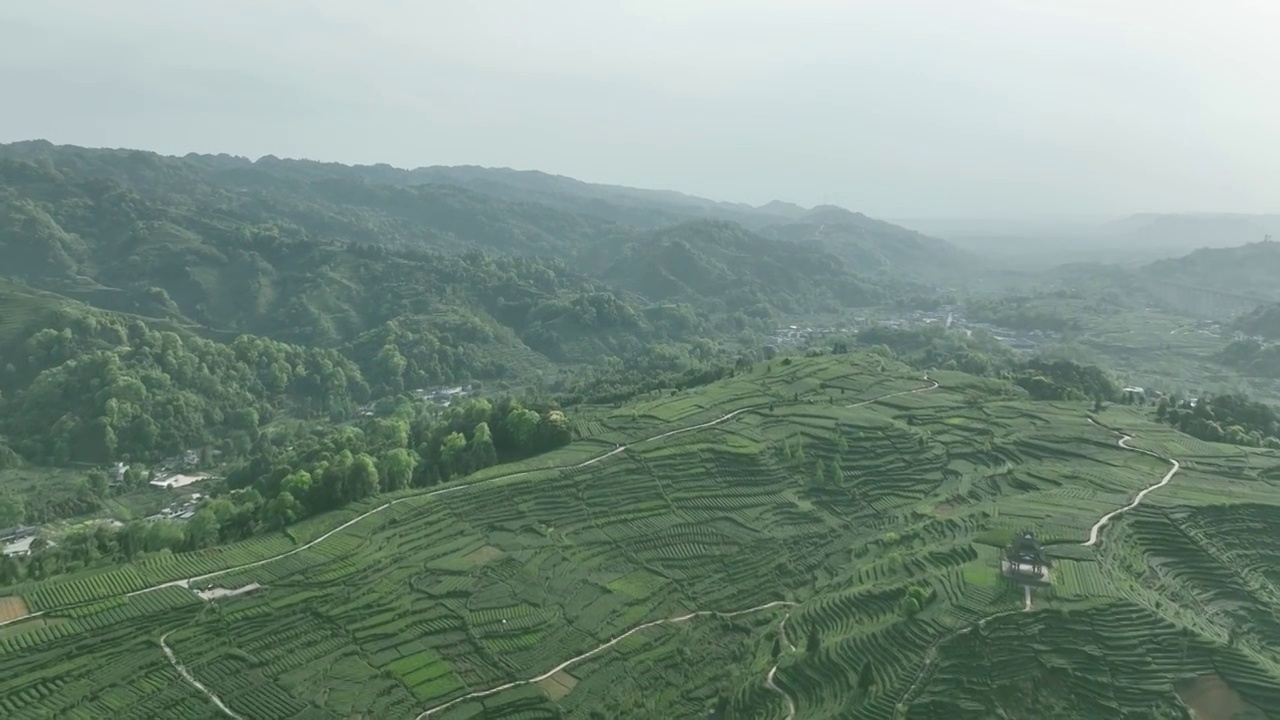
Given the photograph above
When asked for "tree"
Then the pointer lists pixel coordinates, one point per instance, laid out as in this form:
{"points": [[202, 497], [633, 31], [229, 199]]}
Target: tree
{"points": [[813, 641], [554, 430], [390, 433], [866, 677], [282, 510], [483, 454], [452, 451], [202, 529], [397, 468], [522, 424], [12, 509], [98, 482], [362, 479], [909, 606], [298, 484]]}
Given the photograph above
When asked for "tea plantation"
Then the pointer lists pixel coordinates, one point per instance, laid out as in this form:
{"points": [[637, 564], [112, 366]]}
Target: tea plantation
{"points": [[815, 538]]}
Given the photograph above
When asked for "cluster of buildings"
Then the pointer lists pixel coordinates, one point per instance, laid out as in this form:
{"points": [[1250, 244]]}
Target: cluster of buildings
{"points": [[442, 396], [17, 540], [948, 316], [182, 509]]}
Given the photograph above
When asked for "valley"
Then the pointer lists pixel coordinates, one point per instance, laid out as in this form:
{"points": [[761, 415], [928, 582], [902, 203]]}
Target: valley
{"points": [[478, 443]]}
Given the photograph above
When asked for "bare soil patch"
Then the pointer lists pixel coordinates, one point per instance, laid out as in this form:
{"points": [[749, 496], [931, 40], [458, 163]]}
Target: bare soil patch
{"points": [[1210, 698], [213, 593], [483, 554], [558, 685], [12, 607]]}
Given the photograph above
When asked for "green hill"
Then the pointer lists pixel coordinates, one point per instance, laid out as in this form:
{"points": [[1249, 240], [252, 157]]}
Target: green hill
{"points": [[1246, 270], [822, 533], [469, 273], [874, 247], [725, 266], [1263, 321], [497, 210]]}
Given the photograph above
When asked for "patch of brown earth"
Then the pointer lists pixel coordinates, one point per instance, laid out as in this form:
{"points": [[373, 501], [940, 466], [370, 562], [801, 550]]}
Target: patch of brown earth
{"points": [[12, 607], [558, 685], [483, 554], [1210, 698]]}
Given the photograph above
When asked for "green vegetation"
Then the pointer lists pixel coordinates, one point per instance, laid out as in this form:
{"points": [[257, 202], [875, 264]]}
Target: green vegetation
{"points": [[523, 567], [1024, 312], [1263, 321], [1233, 419], [980, 354], [1247, 270], [642, 500]]}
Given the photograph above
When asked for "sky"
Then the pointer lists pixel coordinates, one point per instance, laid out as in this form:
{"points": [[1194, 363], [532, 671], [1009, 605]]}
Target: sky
{"points": [[900, 108]]}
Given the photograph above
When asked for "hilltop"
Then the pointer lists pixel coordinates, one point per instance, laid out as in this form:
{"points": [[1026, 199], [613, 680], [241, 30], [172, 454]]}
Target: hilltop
{"points": [[820, 533], [723, 265], [1248, 270], [305, 252]]}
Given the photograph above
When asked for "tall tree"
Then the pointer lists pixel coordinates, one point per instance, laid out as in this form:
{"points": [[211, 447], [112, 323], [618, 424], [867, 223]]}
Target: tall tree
{"points": [[813, 640], [397, 468]]}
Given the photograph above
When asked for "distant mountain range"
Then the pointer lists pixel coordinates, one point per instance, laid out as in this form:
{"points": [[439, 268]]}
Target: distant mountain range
{"points": [[479, 272], [1134, 239]]}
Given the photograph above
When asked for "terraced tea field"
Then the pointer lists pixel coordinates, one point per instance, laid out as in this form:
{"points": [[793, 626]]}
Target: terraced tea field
{"points": [[818, 539]]}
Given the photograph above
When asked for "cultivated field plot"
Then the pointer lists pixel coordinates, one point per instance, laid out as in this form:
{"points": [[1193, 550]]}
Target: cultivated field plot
{"points": [[871, 532]]}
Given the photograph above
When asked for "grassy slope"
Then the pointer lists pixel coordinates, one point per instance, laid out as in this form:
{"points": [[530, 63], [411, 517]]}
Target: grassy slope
{"points": [[436, 597]]}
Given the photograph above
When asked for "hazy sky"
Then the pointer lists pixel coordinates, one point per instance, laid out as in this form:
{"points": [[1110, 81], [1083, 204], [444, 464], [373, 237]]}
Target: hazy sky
{"points": [[900, 108]]}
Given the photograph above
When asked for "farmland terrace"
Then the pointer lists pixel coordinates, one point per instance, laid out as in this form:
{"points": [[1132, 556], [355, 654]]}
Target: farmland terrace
{"points": [[815, 538]]}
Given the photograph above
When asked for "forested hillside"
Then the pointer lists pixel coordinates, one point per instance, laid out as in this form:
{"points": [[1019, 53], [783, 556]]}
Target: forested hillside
{"points": [[151, 304], [1248, 270], [1263, 322]]}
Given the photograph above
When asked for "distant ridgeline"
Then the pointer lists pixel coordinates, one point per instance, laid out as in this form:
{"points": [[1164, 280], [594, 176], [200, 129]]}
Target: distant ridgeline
{"points": [[403, 279], [1218, 281]]}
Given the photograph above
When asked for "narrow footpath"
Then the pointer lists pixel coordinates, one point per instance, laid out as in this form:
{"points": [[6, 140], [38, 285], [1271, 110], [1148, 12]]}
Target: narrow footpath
{"points": [[595, 651], [1173, 470], [769, 681], [173, 660], [1094, 536], [769, 677]]}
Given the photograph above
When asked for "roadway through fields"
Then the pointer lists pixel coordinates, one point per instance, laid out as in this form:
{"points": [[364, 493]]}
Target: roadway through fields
{"points": [[485, 693], [1093, 540]]}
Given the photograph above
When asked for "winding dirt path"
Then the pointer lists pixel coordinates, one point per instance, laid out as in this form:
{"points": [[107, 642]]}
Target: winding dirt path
{"points": [[1093, 540], [770, 677], [186, 582], [864, 403], [173, 660], [773, 671], [1137, 500], [601, 648]]}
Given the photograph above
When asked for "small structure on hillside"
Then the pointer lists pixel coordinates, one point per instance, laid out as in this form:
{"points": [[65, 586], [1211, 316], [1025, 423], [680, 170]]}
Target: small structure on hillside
{"points": [[1024, 560]]}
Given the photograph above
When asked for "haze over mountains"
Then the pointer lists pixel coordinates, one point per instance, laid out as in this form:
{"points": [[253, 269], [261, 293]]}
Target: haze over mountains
{"points": [[1131, 239]]}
